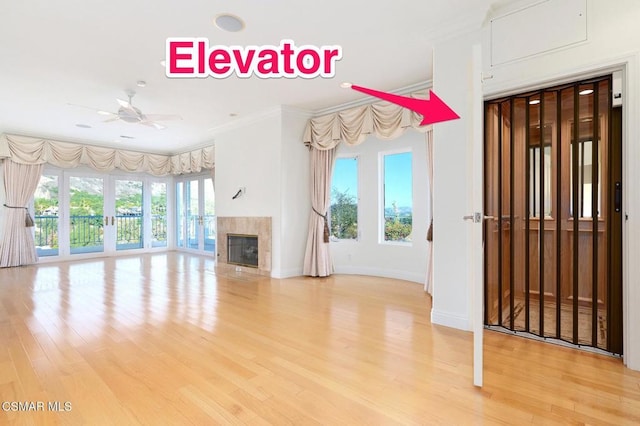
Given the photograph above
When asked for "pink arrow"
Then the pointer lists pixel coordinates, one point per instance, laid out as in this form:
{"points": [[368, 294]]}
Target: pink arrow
{"points": [[433, 110]]}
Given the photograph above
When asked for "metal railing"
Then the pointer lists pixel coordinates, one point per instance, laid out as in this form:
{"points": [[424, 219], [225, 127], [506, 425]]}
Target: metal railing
{"points": [[128, 231], [88, 231], [158, 230]]}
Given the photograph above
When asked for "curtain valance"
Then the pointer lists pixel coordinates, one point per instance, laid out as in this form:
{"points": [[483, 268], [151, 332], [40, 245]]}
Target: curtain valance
{"points": [[29, 150], [351, 126]]}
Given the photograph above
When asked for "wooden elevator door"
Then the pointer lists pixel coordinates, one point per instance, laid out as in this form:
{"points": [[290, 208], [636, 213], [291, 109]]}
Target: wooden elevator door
{"points": [[553, 225]]}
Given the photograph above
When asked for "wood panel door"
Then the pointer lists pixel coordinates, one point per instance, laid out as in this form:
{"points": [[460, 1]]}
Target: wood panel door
{"points": [[552, 179]]}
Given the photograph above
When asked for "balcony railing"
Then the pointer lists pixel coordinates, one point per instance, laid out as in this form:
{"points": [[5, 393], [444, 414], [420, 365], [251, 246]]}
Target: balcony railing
{"points": [[86, 233]]}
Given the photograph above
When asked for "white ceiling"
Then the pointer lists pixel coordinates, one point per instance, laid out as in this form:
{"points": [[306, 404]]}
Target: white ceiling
{"points": [[53, 53]]}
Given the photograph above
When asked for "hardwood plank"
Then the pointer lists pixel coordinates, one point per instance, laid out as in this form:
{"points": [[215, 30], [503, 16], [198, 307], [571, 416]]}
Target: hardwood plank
{"points": [[163, 339]]}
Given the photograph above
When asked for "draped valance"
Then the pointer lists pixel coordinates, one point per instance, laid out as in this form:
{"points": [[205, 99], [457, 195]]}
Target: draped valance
{"points": [[351, 126], [29, 150]]}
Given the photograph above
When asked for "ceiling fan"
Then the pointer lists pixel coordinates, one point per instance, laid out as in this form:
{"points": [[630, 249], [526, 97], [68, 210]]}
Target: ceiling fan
{"points": [[130, 114]]}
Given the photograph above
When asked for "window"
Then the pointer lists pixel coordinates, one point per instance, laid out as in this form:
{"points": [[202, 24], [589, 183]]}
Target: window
{"points": [[46, 216], [397, 190], [180, 214], [158, 214], [534, 181], [585, 180], [344, 199]]}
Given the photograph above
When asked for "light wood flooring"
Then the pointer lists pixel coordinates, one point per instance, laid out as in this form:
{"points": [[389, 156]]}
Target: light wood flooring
{"points": [[162, 340]]}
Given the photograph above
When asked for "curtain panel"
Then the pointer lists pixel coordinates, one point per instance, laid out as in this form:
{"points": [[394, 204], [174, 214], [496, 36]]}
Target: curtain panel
{"points": [[28, 150], [16, 243], [428, 281], [317, 258]]}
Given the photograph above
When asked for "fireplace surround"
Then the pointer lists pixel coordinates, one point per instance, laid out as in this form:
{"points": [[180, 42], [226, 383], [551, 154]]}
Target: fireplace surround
{"points": [[258, 227]]}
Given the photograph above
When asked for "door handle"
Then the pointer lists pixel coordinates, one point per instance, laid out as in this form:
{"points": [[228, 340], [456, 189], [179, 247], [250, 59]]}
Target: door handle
{"points": [[618, 197], [113, 220], [106, 220], [477, 217]]}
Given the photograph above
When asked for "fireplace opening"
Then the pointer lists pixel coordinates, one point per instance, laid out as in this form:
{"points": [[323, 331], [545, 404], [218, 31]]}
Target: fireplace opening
{"points": [[242, 250]]}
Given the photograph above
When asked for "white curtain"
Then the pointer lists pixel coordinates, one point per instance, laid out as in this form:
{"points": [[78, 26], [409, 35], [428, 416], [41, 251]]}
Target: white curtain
{"points": [[317, 258], [16, 245], [428, 282], [28, 150], [352, 126]]}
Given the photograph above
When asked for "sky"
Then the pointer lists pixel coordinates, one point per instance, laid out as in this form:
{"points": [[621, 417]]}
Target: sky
{"points": [[398, 177]]}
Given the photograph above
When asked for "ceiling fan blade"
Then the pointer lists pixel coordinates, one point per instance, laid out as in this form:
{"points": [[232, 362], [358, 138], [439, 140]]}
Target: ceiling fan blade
{"points": [[153, 124], [162, 117], [114, 118], [124, 104]]}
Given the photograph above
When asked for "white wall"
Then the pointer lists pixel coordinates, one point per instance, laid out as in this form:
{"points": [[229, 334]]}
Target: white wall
{"points": [[295, 198], [268, 158], [250, 156], [366, 255], [613, 43]]}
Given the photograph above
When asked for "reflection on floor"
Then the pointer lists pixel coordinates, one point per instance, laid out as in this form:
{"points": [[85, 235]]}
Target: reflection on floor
{"points": [[165, 339]]}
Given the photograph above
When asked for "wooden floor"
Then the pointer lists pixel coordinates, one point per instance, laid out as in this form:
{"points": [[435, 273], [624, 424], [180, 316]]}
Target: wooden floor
{"points": [[585, 321], [161, 339]]}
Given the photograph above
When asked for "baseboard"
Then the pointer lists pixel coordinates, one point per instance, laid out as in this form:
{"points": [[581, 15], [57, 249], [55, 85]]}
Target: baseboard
{"points": [[450, 320], [286, 273], [380, 272]]}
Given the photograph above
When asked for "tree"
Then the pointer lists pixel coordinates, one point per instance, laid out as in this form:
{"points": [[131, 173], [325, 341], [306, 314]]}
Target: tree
{"points": [[397, 228], [344, 215]]}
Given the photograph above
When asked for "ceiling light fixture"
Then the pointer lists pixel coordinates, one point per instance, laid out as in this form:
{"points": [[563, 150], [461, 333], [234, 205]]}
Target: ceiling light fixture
{"points": [[346, 85], [228, 22], [141, 83], [83, 126], [534, 102], [586, 92]]}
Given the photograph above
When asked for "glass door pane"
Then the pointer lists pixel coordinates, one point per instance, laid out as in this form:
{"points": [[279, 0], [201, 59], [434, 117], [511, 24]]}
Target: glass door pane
{"points": [[86, 214], [46, 216], [193, 214], [158, 214], [180, 214], [129, 229], [209, 216]]}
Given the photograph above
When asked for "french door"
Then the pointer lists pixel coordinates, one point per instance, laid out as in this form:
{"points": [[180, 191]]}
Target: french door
{"points": [[553, 227], [195, 219], [80, 214]]}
